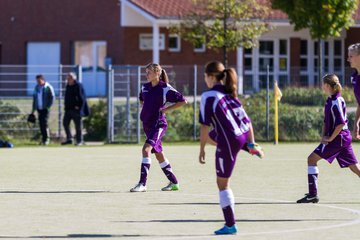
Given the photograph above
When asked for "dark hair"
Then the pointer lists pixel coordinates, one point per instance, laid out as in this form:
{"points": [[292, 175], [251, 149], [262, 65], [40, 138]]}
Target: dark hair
{"points": [[333, 81], [157, 68], [229, 76], [40, 76]]}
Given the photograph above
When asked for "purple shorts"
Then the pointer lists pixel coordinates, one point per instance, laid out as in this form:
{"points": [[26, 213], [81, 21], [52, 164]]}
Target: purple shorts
{"points": [[340, 148], [226, 152], [154, 136]]}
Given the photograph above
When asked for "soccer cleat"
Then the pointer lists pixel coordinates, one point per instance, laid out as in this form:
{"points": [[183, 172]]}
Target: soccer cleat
{"points": [[138, 188], [255, 149], [226, 230], [171, 187], [308, 199]]}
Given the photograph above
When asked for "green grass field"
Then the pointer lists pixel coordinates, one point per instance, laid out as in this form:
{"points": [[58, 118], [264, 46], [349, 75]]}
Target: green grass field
{"points": [[58, 192]]}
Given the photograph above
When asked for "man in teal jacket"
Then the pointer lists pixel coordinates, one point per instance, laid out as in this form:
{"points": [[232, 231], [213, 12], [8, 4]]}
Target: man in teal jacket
{"points": [[43, 98]]}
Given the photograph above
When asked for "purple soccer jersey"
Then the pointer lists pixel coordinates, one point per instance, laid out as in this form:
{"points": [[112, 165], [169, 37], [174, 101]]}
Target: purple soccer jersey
{"points": [[154, 122], [340, 148], [335, 113], [230, 123], [355, 80]]}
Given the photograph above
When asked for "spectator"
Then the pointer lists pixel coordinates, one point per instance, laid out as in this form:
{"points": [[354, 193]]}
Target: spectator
{"points": [[76, 107], [43, 98]]}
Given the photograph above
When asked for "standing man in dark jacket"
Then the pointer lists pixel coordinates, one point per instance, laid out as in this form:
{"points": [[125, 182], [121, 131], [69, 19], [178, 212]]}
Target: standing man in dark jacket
{"points": [[76, 107], [43, 98]]}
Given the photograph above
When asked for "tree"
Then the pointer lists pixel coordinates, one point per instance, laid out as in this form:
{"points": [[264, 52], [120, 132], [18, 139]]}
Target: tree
{"points": [[225, 24], [323, 18]]}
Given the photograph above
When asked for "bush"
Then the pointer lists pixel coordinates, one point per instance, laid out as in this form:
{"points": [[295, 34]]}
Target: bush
{"points": [[10, 118], [312, 96], [96, 123], [181, 122]]}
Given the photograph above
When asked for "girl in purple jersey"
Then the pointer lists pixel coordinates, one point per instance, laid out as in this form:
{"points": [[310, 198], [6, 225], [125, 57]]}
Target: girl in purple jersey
{"points": [[354, 60], [335, 141], [232, 130], [153, 96]]}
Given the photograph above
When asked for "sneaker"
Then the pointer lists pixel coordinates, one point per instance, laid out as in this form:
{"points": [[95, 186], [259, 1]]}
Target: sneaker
{"points": [[308, 199], [67, 142], [226, 230], [80, 144], [47, 142], [171, 187], [138, 188]]}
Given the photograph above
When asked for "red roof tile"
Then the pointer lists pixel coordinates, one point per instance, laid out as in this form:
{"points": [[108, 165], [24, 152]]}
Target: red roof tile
{"points": [[173, 9]]}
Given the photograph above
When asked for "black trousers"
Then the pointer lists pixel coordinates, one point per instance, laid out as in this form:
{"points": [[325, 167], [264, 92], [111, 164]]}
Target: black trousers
{"points": [[43, 123], [76, 117]]}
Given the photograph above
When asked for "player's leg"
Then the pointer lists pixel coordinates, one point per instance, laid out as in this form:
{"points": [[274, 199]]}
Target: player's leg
{"points": [[355, 168], [66, 125], [227, 204], [225, 163], [44, 128], [313, 171], [78, 128], [144, 170], [167, 169]]}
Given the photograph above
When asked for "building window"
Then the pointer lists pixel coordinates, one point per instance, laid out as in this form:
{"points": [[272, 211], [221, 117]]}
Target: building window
{"points": [[267, 47], [248, 60], [146, 41], [90, 54], [199, 47], [174, 43], [283, 55], [338, 56], [283, 47], [266, 57]]}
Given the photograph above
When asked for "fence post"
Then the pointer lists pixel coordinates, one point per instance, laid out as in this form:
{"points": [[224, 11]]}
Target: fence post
{"points": [[138, 104], [79, 73], [59, 100], [267, 102], [128, 132], [195, 93], [110, 105]]}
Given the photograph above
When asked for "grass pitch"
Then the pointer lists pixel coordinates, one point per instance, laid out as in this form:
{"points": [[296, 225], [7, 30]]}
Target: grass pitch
{"points": [[69, 192]]}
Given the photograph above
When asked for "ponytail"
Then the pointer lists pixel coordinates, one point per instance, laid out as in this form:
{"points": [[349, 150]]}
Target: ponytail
{"points": [[163, 76], [333, 81], [227, 75], [230, 78]]}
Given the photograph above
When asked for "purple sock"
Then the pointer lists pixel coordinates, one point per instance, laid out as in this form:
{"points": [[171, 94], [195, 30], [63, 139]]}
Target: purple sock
{"points": [[313, 172], [166, 167], [145, 167], [229, 216], [227, 203]]}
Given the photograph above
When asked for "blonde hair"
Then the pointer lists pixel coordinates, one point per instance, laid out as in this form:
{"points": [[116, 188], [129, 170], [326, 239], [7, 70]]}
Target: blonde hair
{"points": [[355, 48], [333, 81], [155, 67]]}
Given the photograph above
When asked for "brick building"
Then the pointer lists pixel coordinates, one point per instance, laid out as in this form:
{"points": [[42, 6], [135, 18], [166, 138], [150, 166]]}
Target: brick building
{"points": [[93, 33]]}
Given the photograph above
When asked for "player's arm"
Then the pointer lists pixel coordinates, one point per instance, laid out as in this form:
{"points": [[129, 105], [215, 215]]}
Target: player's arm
{"points": [[174, 106], [334, 134], [204, 134], [356, 123], [251, 138]]}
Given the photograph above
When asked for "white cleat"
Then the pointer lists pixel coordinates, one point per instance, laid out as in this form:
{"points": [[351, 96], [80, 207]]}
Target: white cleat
{"points": [[138, 188]]}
